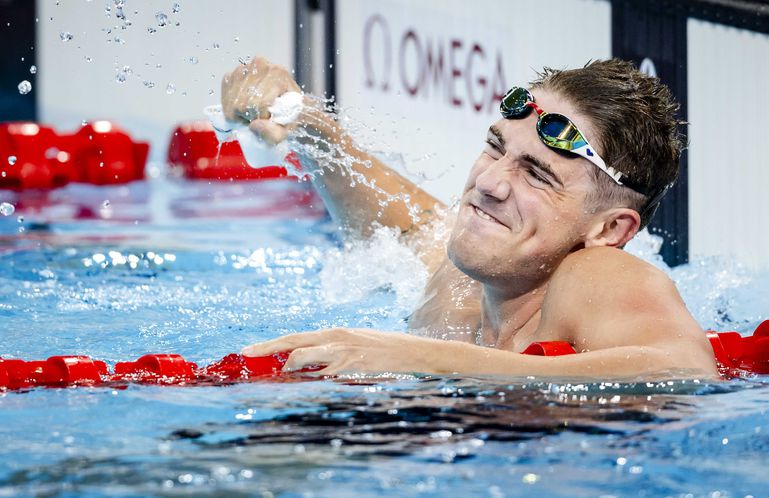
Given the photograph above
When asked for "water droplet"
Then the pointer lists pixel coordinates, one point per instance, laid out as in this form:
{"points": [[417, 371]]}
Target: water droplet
{"points": [[331, 66], [122, 74], [20, 219], [88, 59], [11, 160], [237, 39], [161, 18], [170, 89], [193, 60], [216, 45], [33, 69], [530, 478], [338, 52], [25, 87], [65, 36], [211, 91], [7, 209], [105, 204], [176, 8], [149, 84], [151, 30]]}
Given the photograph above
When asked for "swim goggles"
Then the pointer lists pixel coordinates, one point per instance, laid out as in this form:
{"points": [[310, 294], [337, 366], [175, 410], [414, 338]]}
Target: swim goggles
{"points": [[558, 132]]}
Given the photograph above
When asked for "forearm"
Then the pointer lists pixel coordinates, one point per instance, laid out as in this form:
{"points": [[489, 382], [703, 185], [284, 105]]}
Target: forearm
{"points": [[614, 363], [356, 187]]}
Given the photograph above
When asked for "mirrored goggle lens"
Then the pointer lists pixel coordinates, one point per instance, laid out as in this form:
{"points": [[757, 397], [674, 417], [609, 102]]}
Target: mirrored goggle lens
{"points": [[558, 131], [514, 102]]}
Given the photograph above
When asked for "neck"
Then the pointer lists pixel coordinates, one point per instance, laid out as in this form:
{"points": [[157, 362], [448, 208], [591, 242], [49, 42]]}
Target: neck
{"points": [[507, 320]]}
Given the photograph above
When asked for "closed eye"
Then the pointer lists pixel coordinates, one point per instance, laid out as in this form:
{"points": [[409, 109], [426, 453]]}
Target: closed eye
{"points": [[495, 146], [538, 175]]}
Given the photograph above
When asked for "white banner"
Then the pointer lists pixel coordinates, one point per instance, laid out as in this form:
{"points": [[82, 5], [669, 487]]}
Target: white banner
{"points": [[424, 79]]}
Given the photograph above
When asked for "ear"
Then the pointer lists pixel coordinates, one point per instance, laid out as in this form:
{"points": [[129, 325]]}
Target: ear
{"points": [[613, 228]]}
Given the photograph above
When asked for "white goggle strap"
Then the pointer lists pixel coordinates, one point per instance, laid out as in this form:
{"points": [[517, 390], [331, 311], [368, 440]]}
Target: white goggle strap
{"points": [[588, 152]]}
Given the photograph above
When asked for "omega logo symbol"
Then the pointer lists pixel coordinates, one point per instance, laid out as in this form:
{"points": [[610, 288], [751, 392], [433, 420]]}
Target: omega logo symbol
{"points": [[452, 70]]}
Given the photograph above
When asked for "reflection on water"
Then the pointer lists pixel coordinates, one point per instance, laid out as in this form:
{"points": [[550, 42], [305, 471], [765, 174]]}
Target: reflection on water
{"points": [[418, 436]]}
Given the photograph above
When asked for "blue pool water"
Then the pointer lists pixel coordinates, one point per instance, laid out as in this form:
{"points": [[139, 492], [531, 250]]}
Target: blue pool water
{"points": [[202, 270]]}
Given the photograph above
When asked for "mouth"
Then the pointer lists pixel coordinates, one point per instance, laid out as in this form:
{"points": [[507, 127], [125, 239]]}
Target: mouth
{"points": [[486, 216]]}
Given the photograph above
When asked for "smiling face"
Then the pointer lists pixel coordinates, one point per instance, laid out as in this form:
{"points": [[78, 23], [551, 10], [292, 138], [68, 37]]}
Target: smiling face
{"points": [[523, 207]]}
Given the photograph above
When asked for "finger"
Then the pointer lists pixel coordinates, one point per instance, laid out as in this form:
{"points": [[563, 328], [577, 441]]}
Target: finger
{"points": [[285, 343], [272, 133], [302, 358]]}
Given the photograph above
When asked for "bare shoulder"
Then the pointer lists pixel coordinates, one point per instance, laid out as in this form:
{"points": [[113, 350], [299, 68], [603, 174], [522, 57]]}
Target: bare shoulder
{"points": [[608, 270], [604, 297]]}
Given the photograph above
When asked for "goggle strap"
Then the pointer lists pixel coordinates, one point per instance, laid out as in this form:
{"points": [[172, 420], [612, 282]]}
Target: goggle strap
{"points": [[588, 152], [654, 202]]}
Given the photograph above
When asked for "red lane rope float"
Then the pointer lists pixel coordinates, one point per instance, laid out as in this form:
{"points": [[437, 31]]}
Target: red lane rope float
{"points": [[99, 153], [195, 153], [166, 369], [736, 356]]}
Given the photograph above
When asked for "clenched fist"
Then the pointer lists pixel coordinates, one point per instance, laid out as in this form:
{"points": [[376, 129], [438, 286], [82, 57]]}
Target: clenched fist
{"points": [[250, 89]]}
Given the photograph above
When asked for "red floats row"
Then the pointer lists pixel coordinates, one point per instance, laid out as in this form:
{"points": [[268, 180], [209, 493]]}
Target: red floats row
{"points": [[166, 369], [33, 156], [736, 356]]}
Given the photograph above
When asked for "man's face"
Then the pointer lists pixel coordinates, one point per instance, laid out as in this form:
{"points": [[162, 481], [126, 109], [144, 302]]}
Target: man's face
{"points": [[523, 207]]}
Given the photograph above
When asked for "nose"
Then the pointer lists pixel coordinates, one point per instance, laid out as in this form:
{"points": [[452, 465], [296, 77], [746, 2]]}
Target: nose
{"points": [[494, 181]]}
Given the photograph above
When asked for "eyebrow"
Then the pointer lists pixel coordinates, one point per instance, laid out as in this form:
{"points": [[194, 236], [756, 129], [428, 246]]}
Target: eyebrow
{"points": [[526, 157]]}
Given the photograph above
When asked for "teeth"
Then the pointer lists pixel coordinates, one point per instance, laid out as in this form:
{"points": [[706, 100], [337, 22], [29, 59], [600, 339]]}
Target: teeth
{"points": [[484, 215]]}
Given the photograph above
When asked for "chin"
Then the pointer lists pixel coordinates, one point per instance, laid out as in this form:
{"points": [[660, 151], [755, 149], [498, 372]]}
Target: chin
{"points": [[465, 257]]}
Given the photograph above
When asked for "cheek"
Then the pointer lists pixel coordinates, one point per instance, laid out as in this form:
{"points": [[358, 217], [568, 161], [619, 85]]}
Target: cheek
{"points": [[479, 166]]}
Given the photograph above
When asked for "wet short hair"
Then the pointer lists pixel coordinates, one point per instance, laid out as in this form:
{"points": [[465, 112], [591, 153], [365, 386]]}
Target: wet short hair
{"points": [[635, 118]]}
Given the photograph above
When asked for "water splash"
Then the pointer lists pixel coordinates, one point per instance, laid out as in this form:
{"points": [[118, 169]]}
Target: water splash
{"points": [[318, 155], [381, 262], [720, 292], [66, 36]]}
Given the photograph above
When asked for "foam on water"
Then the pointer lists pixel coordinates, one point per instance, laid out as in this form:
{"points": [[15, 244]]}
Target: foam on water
{"points": [[719, 291], [381, 262]]}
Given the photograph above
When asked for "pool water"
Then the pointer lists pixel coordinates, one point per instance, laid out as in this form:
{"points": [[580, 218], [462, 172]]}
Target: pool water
{"points": [[200, 269]]}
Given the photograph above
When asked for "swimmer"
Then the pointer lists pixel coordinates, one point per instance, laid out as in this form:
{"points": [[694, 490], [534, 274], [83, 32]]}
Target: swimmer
{"points": [[574, 167]]}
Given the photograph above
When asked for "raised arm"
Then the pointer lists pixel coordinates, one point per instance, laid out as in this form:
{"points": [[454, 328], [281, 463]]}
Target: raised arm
{"points": [[374, 193]]}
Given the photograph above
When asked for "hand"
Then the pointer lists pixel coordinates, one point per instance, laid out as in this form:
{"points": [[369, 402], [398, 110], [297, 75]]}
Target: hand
{"points": [[250, 89], [343, 350]]}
